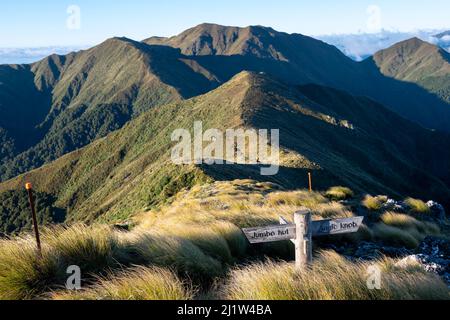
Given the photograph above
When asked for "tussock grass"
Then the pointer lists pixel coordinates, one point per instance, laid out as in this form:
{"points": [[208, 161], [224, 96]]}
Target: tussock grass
{"points": [[331, 210], [207, 239], [417, 206], [92, 248], [23, 274], [198, 237], [339, 193], [166, 251], [403, 230], [330, 278], [220, 210], [97, 250], [374, 203], [243, 205], [234, 237], [139, 283], [407, 222], [297, 198], [397, 237]]}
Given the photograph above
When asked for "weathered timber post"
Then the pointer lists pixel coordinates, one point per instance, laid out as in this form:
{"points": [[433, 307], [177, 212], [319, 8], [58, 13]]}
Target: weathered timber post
{"points": [[303, 240], [310, 181], [29, 189]]}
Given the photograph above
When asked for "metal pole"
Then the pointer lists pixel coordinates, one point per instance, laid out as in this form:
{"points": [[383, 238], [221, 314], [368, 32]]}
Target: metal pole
{"points": [[303, 241], [29, 188]]}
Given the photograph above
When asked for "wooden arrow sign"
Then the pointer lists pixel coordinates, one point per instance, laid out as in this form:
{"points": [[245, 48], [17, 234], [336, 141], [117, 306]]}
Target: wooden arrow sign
{"points": [[330, 227], [270, 234], [338, 226]]}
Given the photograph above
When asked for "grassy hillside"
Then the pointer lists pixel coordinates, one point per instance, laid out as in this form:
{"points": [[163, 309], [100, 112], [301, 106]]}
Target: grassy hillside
{"points": [[63, 103], [419, 62], [349, 141], [298, 60], [194, 249], [131, 169]]}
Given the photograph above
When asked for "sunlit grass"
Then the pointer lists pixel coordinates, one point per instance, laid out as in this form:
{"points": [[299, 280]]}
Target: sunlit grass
{"points": [[397, 237], [417, 206], [331, 278], [374, 203], [197, 239], [23, 273], [139, 283], [407, 222], [339, 193]]}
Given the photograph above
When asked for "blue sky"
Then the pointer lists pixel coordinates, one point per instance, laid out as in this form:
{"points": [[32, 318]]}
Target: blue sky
{"points": [[31, 23]]}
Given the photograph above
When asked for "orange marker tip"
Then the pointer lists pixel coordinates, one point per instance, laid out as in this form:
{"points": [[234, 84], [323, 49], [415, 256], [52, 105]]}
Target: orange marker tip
{"points": [[28, 186]]}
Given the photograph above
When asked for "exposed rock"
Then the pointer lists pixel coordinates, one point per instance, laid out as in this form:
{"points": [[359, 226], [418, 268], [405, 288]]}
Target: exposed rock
{"points": [[437, 210], [428, 263], [393, 205], [434, 257], [371, 251], [436, 247], [409, 261]]}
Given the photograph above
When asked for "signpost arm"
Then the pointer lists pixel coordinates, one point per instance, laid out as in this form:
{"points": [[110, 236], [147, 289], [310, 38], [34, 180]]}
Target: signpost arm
{"points": [[303, 241], [283, 221]]}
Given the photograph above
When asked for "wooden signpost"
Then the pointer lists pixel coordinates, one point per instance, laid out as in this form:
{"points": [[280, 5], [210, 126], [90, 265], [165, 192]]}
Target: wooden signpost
{"points": [[302, 232]]}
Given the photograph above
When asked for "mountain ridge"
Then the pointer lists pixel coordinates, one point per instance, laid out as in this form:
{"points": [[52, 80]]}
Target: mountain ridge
{"points": [[62, 103], [344, 140], [299, 59], [419, 62], [83, 96]]}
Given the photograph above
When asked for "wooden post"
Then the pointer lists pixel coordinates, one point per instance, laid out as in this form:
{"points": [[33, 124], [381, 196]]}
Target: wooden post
{"points": [[303, 241], [29, 188], [310, 181]]}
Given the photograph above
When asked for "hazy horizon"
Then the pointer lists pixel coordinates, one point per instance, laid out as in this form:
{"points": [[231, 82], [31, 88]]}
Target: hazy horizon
{"points": [[83, 23]]}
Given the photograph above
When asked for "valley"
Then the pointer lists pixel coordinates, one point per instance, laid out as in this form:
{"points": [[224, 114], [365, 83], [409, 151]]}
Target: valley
{"points": [[95, 133]]}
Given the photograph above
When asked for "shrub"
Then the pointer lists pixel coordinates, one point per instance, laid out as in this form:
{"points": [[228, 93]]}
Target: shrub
{"points": [[136, 284], [339, 193], [331, 277]]}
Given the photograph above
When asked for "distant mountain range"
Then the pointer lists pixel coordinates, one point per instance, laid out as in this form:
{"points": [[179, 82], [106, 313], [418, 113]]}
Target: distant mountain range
{"points": [[33, 54], [443, 35], [381, 125], [356, 46], [363, 45]]}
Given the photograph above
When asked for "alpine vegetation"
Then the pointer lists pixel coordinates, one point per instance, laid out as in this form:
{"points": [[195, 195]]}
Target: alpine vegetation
{"points": [[235, 146]]}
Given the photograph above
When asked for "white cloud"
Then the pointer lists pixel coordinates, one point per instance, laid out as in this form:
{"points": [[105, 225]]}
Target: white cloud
{"points": [[30, 55], [363, 45]]}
